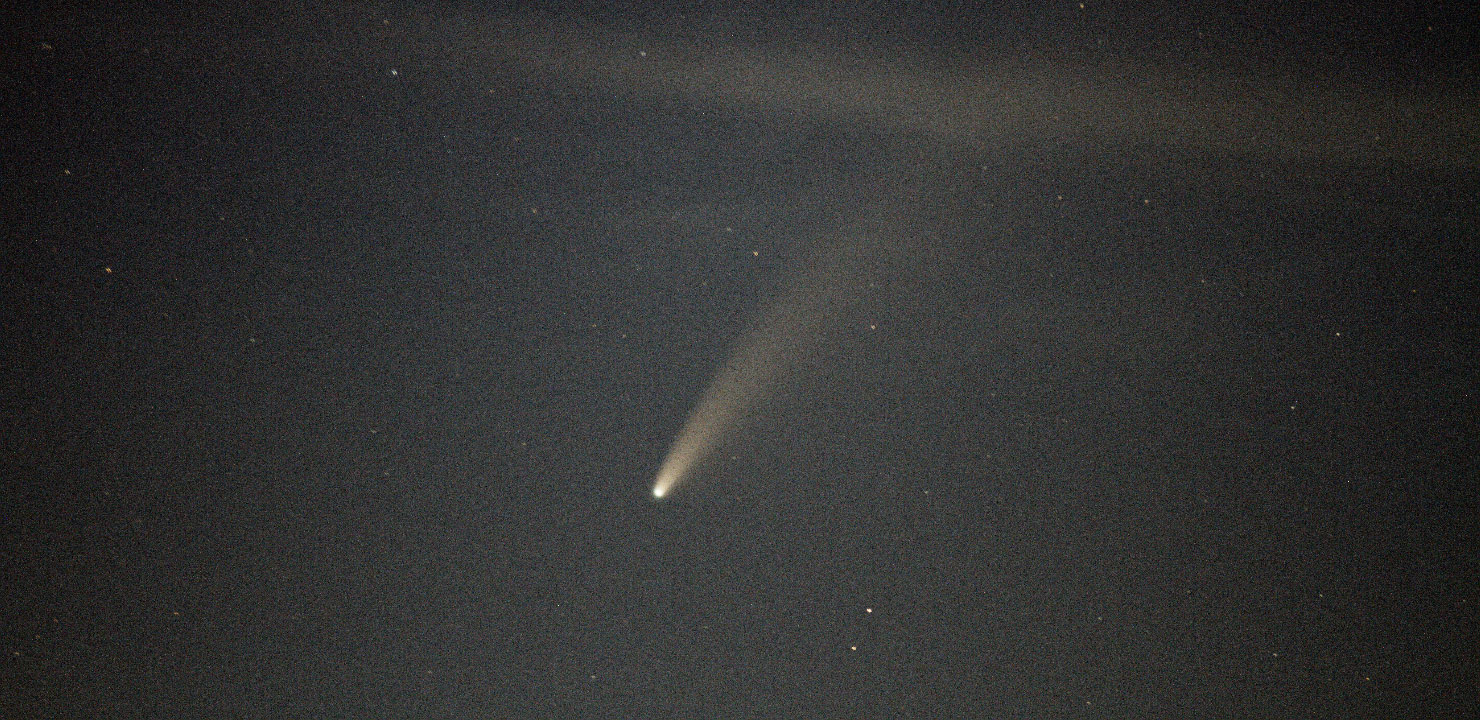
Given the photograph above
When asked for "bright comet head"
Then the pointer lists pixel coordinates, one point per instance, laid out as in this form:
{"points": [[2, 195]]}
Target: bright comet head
{"points": [[667, 478]]}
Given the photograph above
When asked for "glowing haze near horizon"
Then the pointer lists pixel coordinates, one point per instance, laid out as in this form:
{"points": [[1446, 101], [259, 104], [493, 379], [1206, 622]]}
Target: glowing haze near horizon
{"points": [[983, 105]]}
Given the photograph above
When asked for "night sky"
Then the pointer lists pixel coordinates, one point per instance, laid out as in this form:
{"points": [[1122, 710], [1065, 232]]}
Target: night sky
{"points": [[1105, 360]]}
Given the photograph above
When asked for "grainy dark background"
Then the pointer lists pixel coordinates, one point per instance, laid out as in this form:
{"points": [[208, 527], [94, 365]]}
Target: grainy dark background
{"points": [[340, 345]]}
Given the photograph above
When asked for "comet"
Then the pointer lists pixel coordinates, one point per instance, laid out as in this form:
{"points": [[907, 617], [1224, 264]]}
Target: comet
{"points": [[789, 330]]}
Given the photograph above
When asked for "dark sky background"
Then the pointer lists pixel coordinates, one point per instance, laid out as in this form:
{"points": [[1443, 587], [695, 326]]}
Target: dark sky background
{"points": [[341, 345]]}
